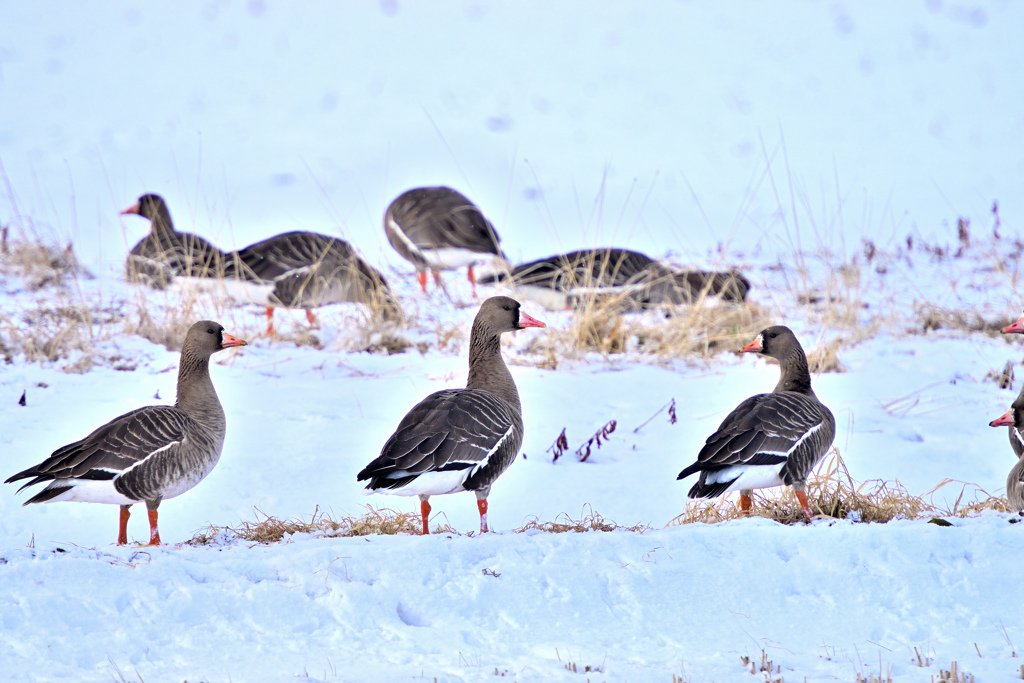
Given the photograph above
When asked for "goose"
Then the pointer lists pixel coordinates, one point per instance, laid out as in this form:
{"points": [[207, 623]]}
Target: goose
{"points": [[557, 282], [1014, 420], [459, 439], [307, 270], [150, 453], [769, 439], [437, 228], [165, 253]]}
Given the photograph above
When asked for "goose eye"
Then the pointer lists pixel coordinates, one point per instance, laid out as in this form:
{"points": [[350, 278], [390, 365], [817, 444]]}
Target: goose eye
{"points": [[772, 335], [209, 330]]}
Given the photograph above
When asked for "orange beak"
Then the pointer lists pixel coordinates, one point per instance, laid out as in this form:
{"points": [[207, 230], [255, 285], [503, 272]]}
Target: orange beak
{"points": [[1015, 327], [134, 208], [753, 346], [527, 320], [1003, 420], [227, 341]]}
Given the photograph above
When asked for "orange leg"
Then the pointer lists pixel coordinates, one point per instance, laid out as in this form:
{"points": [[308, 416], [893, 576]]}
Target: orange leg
{"points": [[425, 513], [472, 280], [802, 497], [422, 277], [481, 504], [311, 317], [270, 321], [437, 277], [744, 503], [122, 533], [154, 533]]}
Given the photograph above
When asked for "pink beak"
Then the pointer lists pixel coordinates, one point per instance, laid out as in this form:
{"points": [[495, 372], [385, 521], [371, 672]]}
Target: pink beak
{"points": [[1015, 327], [527, 320], [1003, 420], [753, 346], [134, 208], [227, 341]]}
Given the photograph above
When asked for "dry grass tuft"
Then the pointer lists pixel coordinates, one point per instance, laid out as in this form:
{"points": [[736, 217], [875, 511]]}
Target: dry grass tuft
{"points": [[39, 264], [268, 529], [930, 317], [825, 358], [953, 675], [834, 494], [606, 326], [590, 521]]}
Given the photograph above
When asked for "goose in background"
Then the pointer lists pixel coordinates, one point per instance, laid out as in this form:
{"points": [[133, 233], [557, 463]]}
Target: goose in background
{"points": [[769, 439], [437, 228], [165, 253], [308, 270], [149, 454], [561, 281], [460, 439]]}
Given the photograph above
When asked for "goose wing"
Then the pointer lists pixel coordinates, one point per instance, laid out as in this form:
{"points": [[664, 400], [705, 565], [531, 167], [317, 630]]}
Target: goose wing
{"points": [[469, 431], [112, 450], [769, 429]]}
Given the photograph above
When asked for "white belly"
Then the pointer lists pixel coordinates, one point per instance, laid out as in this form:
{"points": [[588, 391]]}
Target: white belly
{"points": [[749, 476], [431, 484]]}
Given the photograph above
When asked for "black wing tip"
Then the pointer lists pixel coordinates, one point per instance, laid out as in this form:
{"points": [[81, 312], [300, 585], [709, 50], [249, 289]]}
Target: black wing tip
{"points": [[695, 467], [46, 495]]}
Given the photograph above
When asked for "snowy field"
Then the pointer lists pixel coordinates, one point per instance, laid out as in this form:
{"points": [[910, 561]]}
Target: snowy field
{"points": [[802, 143]]}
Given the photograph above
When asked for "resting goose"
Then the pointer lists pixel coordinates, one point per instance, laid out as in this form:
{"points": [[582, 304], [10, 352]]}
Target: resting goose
{"points": [[151, 453], [459, 439], [769, 439], [166, 253], [559, 281], [308, 270], [437, 228]]}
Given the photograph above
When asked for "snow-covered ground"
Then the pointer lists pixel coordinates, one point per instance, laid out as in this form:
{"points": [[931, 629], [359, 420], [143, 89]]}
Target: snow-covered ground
{"points": [[785, 133]]}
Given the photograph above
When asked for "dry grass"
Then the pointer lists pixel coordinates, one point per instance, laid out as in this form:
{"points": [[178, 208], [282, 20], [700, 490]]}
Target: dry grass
{"points": [[268, 529], [605, 326], [834, 494], [825, 358], [589, 521], [929, 317], [953, 675]]}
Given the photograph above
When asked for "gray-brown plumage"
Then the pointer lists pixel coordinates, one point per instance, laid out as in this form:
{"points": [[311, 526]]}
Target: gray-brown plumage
{"points": [[1013, 419], [437, 228], [307, 270], [769, 439], [459, 439], [562, 280], [166, 253], [151, 453]]}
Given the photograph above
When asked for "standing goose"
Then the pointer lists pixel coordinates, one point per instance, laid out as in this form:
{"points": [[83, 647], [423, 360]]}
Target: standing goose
{"points": [[460, 439], [308, 270], [166, 253], [437, 228], [1014, 419], [558, 281], [769, 439], [148, 454]]}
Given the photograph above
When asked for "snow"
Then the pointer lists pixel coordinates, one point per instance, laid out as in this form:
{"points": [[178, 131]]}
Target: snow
{"points": [[773, 138]]}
